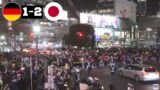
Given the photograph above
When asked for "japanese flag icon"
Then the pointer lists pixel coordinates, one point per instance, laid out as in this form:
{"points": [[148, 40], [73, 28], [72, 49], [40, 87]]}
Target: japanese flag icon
{"points": [[53, 11]]}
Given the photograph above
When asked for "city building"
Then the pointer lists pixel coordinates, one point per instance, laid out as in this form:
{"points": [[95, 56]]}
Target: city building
{"points": [[149, 25], [119, 8], [105, 7], [113, 21], [144, 28], [141, 7], [149, 29]]}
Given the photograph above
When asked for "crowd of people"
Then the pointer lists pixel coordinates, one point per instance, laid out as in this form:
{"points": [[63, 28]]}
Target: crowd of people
{"points": [[60, 69]]}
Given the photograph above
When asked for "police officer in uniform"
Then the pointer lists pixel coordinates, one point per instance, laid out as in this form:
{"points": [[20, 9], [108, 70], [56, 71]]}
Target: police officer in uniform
{"points": [[112, 67], [112, 70]]}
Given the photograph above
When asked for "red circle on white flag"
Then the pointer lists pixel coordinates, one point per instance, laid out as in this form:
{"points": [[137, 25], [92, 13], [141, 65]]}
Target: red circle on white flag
{"points": [[52, 11]]}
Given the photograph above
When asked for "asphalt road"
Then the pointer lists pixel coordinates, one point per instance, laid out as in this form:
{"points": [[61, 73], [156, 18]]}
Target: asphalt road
{"points": [[119, 83]]}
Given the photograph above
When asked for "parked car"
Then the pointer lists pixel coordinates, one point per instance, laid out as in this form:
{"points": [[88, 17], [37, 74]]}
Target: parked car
{"points": [[140, 72]]}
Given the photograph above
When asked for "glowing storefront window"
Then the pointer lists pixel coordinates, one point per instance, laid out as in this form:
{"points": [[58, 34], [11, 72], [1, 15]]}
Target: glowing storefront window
{"points": [[103, 34], [101, 31], [117, 34]]}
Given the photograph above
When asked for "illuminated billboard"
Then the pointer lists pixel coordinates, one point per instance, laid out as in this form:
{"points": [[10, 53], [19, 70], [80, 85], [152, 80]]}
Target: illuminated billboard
{"points": [[103, 34], [0, 2], [99, 20], [125, 9]]}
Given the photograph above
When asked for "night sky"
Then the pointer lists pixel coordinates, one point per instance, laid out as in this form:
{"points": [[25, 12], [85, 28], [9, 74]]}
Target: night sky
{"points": [[85, 4], [152, 5]]}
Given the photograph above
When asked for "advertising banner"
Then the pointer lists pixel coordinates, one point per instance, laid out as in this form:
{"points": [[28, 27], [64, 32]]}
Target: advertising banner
{"points": [[125, 9]]}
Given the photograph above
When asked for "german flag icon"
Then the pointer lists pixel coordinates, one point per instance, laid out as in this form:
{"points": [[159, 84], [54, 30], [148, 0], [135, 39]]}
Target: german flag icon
{"points": [[11, 11]]}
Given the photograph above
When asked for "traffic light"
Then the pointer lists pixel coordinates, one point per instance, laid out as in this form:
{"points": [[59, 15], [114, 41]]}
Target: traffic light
{"points": [[31, 36], [80, 34]]}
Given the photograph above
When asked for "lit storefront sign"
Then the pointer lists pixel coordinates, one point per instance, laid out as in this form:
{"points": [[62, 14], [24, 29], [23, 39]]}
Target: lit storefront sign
{"points": [[103, 34], [104, 44]]}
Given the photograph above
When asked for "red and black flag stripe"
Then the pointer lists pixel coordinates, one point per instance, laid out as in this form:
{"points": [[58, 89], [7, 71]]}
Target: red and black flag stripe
{"points": [[11, 11]]}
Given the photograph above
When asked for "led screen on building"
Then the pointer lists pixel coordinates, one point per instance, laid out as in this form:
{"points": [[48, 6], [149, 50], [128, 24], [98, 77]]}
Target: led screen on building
{"points": [[0, 2], [125, 9], [99, 20]]}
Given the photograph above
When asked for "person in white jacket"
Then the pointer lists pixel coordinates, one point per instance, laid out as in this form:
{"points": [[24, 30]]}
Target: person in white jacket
{"points": [[1, 83], [83, 85]]}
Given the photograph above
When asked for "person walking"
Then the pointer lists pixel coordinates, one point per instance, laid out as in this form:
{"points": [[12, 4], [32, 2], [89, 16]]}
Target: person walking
{"points": [[112, 70], [112, 67], [83, 85], [1, 82]]}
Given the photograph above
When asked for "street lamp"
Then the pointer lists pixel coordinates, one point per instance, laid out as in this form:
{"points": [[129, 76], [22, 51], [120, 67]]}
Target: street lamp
{"points": [[36, 30], [158, 14], [148, 32], [134, 34], [21, 39], [158, 26], [149, 29], [136, 26], [2, 38], [21, 42]]}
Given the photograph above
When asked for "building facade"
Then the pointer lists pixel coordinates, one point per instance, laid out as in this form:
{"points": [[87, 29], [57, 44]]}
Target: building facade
{"points": [[112, 20], [149, 31]]}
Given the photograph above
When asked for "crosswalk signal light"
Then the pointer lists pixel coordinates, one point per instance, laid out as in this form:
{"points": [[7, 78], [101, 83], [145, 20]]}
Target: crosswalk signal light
{"points": [[80, 34]]}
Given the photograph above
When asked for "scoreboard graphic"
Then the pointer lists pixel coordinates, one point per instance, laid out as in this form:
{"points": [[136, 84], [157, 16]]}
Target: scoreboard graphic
{"points": [[32, 12], [52, 11]]}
